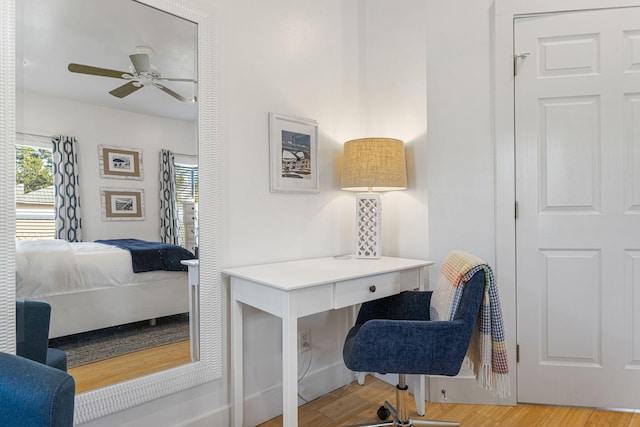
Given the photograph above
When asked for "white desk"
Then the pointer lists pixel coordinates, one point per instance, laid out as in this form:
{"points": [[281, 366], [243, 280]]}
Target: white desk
{"points": [[294, 289]]}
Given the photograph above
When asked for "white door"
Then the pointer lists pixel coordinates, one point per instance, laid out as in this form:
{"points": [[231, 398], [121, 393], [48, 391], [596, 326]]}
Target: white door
{"points": [[578, 192]]}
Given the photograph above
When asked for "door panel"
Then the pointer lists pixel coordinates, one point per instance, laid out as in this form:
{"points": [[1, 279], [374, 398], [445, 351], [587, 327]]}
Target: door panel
{"points": [[569, 153], [570, 333], [632, 150], [578, 188]]}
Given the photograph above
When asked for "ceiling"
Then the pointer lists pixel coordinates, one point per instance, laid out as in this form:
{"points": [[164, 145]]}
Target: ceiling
{"points": [[53, 33]]}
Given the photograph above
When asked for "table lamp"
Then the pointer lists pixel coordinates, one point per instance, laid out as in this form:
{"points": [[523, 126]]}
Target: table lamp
{"points": [[372, 164]]}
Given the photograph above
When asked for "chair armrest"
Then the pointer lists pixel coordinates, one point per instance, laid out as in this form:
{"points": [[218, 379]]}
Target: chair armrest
{"points": [[409, 305], [34, 394], [32, 329], [409, 347]]}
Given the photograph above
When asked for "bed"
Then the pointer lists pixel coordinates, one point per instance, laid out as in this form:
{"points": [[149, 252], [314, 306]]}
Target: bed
{"points": [[92, 285]]}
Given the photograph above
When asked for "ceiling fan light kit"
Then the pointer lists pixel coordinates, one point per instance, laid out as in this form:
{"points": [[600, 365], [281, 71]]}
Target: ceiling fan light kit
{"points": [[143, 73]]}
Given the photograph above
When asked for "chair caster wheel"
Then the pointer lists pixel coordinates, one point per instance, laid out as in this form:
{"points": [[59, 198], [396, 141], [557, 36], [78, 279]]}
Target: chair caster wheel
{"points": [[383, 413]]}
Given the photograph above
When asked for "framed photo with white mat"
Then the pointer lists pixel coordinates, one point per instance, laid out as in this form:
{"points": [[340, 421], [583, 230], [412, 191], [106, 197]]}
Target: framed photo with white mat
{"points": [[293, 148], [122, 204]]}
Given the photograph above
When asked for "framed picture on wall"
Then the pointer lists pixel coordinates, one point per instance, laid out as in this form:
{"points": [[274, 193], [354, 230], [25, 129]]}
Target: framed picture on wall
{"points": [[120, 162], [293, 148], [122, 204]]}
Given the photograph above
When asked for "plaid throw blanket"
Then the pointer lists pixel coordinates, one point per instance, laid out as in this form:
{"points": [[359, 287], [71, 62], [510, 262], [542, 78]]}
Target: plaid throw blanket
{"points": [[487, 351]]}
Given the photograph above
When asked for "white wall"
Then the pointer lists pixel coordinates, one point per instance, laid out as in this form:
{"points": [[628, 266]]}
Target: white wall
{"points": [[461, 157], [93, 126], [295, 58], [394, 104], [459, 160]]}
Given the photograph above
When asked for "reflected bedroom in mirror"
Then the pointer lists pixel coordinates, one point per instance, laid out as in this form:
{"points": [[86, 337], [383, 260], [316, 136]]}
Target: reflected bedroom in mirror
{"points": [[106, 188]]}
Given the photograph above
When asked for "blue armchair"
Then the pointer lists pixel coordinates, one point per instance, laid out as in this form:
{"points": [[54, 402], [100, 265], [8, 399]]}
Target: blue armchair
{"points": [[33, 394], [32, 334], [395, 335]]}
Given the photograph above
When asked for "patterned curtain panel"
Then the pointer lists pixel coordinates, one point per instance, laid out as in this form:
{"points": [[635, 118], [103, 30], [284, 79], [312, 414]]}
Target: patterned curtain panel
{"points": [[67, 189], [169, 225]]}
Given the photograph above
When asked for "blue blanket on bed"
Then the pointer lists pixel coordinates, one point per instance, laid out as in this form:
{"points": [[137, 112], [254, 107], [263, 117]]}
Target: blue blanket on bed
{"points": [[150, 256]]}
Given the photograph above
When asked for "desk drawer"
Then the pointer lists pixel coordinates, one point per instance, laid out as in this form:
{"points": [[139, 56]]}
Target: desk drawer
{"points": [[364, 289]]}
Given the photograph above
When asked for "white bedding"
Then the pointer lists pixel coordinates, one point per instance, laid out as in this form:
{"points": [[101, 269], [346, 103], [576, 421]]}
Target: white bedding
{"points": [[54, 267]]}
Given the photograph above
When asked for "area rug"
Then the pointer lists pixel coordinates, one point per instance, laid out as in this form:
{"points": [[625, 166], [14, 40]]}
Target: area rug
{"points": [[104, 343]]}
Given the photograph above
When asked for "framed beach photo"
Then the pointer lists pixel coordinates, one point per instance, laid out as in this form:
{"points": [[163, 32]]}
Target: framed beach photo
{"points": [[293, 148], [122, 204], [120, 162]]}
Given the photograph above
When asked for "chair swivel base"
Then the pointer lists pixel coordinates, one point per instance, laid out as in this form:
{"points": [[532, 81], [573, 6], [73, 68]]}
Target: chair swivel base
{"points": [[400, 417]]}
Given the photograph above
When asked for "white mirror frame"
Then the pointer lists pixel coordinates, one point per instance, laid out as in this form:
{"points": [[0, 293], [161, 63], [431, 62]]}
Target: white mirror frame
{"points": [[104, 401]]}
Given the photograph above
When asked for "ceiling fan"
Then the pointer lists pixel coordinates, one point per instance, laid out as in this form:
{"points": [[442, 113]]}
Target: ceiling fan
{"points": [[142, 73]]}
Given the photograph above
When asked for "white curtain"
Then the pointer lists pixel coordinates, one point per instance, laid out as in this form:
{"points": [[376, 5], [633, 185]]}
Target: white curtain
{"points": [[66, 181], [169, 224]]}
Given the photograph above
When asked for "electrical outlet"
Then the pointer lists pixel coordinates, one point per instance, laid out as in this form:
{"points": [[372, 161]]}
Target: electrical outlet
{"points": [[304, 340]]}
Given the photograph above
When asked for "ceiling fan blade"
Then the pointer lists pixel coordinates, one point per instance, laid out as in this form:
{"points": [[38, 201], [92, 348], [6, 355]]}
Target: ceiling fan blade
{"points": [[125, 89], [96, 71], [169, 79], [174, 94], [141, 62]]}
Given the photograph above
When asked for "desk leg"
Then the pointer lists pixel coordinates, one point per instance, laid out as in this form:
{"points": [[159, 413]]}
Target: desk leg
{"points": [[194, 321], [236, 360], [289, 371]]}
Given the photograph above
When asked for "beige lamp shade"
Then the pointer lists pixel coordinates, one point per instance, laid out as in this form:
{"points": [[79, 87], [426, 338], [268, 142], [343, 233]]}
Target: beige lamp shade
{"points": [[374, 164]]}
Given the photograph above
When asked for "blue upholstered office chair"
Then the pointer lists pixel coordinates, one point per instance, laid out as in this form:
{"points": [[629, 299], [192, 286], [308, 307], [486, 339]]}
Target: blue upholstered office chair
{"points": [[32, 334], [395, 335], [33, 394]]}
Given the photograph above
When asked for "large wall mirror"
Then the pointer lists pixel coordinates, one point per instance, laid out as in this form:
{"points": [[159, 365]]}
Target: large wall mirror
{"points": [[126, 79]]}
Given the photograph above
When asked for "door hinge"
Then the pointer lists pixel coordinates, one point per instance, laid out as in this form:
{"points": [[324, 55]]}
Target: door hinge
{"points": [[517, 60], [516, 210], [517, 353]]}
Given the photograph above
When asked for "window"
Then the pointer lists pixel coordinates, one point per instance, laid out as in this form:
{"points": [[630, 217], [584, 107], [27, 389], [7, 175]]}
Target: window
{"points": [[35, 193], [187, 192]]}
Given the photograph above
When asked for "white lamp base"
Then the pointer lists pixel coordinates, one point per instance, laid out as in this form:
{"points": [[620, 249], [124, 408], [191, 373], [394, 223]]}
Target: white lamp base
{"points": [[368, 223]]}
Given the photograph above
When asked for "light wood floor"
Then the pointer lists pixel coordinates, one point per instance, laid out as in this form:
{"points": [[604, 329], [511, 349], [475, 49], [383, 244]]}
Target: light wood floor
{"points": [[122, 368], [357, 404], [360, 403]]}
